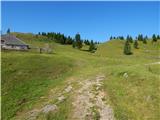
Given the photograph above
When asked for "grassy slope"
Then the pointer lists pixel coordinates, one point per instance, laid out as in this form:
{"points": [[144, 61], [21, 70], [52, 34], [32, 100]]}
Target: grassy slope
{"points": [[136, 97], [27, 76], [30, 75]]}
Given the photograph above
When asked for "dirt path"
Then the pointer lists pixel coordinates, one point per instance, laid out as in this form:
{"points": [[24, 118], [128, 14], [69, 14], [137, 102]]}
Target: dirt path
{"points": [[89, 102]]}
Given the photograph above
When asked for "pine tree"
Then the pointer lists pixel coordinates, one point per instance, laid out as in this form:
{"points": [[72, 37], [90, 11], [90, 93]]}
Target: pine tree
{"points": [[140, 37], [78, 41], [127, 48], [92, 47], [8, 31], [145, 40], [129, 38], [68, 40], [158, 37], [154, 39], [136, 44], [44, 34], [111, 38], [121, 38]]}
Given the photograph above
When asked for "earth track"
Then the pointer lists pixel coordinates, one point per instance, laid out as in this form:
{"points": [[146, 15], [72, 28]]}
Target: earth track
{"points": [[90, 101]]}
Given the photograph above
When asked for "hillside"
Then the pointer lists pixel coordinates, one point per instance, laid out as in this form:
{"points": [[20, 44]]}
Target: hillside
{"points": [[31, 80]]}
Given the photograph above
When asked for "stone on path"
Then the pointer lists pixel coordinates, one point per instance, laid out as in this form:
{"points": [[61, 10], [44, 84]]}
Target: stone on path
{"points": [[49, 108], [68, 89], [61, 98]]}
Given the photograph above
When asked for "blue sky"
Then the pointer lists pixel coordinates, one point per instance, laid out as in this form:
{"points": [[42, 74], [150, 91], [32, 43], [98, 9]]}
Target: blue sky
{"points": [[93, 20]]}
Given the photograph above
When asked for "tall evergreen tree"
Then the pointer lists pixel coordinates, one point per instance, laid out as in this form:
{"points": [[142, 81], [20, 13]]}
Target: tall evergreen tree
{"points": [[8, 31], [111, 38], [69, 40], [92, 46], [127, 48], [140, 37], [145, 40], [154, 39], [78, 41], [158, 37], [121, 38], [44, 34], [136, 44], [129, 38]]}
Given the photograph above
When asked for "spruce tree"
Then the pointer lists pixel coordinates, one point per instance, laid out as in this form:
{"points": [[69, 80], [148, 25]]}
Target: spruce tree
{"points": [[154, 39], [78, 41], [92, 47], [111, 38], [127, 48], [129, 38], [140, 37], [158, 37], [145, 40], [8, 31], [136, 44]]}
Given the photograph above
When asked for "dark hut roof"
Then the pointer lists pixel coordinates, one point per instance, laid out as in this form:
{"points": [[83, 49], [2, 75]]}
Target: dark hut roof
{"points": [[12, 40]]}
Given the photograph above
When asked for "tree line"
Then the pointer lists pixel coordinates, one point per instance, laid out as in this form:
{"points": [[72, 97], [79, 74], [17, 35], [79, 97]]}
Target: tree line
{"points": [[129, 40], [76, 42]]}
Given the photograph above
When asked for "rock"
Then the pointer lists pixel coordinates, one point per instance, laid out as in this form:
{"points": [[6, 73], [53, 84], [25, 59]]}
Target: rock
{"points": [[68, 89], [125, 75], [49, 108], [97, 88], [99, 84], [61, 98]]}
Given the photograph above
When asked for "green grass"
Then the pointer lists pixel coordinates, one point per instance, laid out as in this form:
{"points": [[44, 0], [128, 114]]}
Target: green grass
{"points": [[26, 76]]}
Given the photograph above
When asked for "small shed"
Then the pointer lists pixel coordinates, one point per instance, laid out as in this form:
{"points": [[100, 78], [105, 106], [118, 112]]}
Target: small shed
{"points": [[9, 41]]}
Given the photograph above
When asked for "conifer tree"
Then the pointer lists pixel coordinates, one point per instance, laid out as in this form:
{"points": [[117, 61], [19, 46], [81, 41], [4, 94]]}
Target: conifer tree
{"points": [[136, 44], [92, 46], [154, 39], [129, 38], [127, 48], [78, 41], [140, 37], [145, 40], [8, 31], [111, 38]]}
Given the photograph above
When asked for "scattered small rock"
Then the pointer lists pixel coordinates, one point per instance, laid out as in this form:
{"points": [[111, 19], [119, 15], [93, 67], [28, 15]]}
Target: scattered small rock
{"points": [[61, 98], [42, 97], [97, 88], [125, 75], [68, 89], [49, 108], [148, 98]]}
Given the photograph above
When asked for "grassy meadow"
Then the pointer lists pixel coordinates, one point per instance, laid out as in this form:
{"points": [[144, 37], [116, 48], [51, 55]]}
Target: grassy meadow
{"points": [[31, 80]]}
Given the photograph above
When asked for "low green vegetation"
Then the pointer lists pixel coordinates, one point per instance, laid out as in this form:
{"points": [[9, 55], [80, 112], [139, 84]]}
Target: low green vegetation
{"points": [[29, 76]]}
